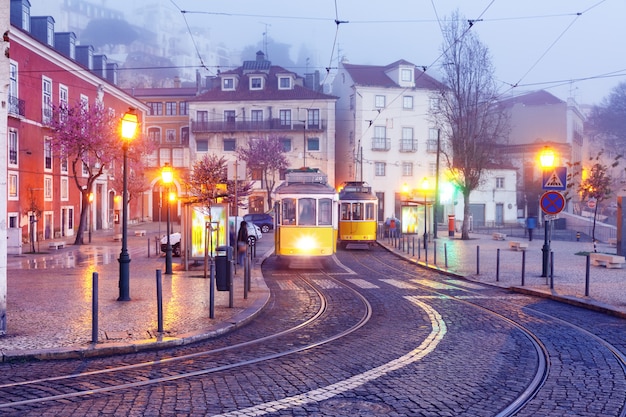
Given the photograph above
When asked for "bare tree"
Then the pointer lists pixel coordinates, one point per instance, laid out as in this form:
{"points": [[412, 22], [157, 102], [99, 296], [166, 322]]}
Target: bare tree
{"points": [[468, 113], [267, 156]]}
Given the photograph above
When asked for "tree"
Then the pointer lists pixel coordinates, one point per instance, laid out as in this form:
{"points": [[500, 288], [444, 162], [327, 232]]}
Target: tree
{"points": [[607, 121], [85, 136], [468, 114], [597, 185], [33, 210], [108, 32], [267, 157]]}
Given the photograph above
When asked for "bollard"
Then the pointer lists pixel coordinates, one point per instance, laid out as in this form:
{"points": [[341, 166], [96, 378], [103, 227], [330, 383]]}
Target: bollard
{"points": [[159, 288], [211, 290], [551, 269], [413, 244], [148, 247], [445, 254], [587, 276], [94, 308], [435, 252], [426, 251], [419, 249], [498, 265], [523, 266], [477, 259]]}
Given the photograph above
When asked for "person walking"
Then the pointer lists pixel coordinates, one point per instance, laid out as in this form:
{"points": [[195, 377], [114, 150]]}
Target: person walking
{"points": [[242, 242]]}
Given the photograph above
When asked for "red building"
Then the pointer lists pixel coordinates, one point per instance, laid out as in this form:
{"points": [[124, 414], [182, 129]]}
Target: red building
{"points": [[48, 68]]}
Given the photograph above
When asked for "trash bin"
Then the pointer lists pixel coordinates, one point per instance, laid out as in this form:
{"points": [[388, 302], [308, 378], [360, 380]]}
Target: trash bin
{"points": [[223, 271], [451, 220]]}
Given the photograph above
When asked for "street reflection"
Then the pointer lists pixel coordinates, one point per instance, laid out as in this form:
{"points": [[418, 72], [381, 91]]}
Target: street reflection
{"points": [[88, 256]]}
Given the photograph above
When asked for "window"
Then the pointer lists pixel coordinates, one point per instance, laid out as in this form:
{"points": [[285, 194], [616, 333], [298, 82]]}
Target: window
{"points": [[228, 84], [46, 88], [170, 108], [286, 144], [184, 135], [64, 164], [183, 109], [47, 188], [170, 135], [165, 156], [379, 102], [407, 144], [230, 145], [63, 95], [499, 182], [156, 108], [306, 212], [47, 153], [12, 186], [313, 118], [434, 103], [379, 168], [285, 118], [178, 157], [406, 75], [13, 148], [431, 143], [13, 223], [256, 83], [256, 116], [64, 189], [202, 116], [379, 142], [14, 107], [202, 145], [154, 134], [407, 169], [229, 117], [407, 102], [289, 211], [325, 213], [284, 83], [313, 144]]}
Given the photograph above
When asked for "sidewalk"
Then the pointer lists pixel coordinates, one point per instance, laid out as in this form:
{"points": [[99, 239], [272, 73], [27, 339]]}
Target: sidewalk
{"points": [[476, 259], [49, 300]]}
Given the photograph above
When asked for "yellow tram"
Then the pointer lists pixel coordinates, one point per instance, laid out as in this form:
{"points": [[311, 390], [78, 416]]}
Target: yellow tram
{"points": [[357, 214], [306, 215]]}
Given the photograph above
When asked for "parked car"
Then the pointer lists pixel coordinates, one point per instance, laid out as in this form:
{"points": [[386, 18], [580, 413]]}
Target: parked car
{"points": [[264, 220], [254, 232], [174, 243]]}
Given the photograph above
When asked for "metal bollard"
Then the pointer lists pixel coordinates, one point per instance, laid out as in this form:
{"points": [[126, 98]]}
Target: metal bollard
{"points": [[587, 276], [445, 254], [434, 252], [498, 265], [551, 269], [477, 259], [159, 294], [413, 239], [211, 290], [523, 266], [148, 247], [94, 308]]}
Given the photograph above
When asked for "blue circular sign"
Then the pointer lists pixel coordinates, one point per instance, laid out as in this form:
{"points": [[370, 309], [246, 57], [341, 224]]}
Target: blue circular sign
{"points": [[552, 202]]}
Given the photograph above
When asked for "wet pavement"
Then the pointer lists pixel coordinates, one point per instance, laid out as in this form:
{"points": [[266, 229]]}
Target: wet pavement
{"points": [[50, 294]]}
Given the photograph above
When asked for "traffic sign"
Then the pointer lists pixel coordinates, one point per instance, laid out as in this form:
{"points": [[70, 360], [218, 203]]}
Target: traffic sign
{"points": [[552, 202], [591, 203], [555, 179]]}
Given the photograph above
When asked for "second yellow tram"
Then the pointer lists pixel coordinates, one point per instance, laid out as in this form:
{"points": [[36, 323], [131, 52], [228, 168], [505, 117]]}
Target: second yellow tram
{"points": [[357, 214]]}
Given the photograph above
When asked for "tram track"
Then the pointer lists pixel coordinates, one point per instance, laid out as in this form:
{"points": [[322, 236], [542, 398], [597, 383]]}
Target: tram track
{"points": [[22, 395], [522, 316]]}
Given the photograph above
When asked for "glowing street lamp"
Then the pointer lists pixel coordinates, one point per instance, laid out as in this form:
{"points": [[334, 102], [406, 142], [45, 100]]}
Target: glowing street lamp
{"points": [[167, 176], [129, 126], [546, 158]]}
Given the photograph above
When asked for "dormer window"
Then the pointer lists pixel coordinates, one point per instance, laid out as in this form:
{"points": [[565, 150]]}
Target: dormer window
{"points": [[256, 83], [284, 83], [228, 84], [406, 75]]}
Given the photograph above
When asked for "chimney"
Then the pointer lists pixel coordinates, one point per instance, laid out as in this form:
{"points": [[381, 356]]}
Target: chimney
{"points": [[177, 82]]}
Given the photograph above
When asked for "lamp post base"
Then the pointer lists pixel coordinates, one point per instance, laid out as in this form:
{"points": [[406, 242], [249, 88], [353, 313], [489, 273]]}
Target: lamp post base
{"points": [[124, 283]]}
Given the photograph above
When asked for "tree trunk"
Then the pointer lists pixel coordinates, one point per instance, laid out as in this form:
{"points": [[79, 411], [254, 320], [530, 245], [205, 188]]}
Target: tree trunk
{"points": [[82, 225], [466, 216]]}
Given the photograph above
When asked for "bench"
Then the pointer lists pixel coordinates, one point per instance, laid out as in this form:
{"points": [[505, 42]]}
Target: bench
{"points": [[517, 246], [499, 236], [56, 245], [140, 232], [607, 260], [612, 241], [117, 237]]}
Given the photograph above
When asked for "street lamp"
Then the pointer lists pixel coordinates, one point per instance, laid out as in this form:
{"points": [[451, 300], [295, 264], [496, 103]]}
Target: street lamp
{"points": [[425, 187], [129, 126], [167, 176], [546, 159]]}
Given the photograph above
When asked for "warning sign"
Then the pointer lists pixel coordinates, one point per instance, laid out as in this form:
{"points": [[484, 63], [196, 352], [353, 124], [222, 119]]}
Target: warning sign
{"points": [[555, 179]]}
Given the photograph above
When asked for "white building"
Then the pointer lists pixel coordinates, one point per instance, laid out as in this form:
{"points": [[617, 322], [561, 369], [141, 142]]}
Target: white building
{"points": [[262, 100]]}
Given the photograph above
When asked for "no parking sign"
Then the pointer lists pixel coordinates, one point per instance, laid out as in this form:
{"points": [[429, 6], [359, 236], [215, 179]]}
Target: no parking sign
{"points": [[552, 202]]}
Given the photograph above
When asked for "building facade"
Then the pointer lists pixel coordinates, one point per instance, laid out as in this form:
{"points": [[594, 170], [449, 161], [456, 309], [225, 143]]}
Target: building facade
{"points": [[260, 100], [47, 69]]}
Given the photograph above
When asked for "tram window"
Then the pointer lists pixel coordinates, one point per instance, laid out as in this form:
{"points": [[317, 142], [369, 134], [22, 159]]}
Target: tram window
{"points": [[357, 211], [369, 211], [325, 213], [345, 211], [306, 214], [289, 211]]}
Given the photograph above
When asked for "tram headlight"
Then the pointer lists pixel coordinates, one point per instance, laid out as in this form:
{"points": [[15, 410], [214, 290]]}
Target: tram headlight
{"points": [[306, 243]]}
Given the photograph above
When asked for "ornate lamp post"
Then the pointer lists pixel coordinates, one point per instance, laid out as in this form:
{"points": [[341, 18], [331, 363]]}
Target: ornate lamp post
{"points": [[129, 126], [546, 159], [425, 187], [167, 176]]}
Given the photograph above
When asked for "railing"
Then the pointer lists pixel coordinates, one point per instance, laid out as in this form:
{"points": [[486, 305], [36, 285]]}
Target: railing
{"points": [[381, 144], [408, 145], [252, 126], [17, 107]]}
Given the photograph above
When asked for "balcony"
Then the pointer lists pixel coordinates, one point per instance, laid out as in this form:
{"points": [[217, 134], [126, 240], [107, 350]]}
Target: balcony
{"points": [[17, 107], [252, 126], [381, 144], [408, 145]]}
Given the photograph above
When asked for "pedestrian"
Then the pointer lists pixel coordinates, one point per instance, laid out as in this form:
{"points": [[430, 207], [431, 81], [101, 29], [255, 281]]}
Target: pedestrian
{"points": [[242, 242], [392, 227], [531, 223]]}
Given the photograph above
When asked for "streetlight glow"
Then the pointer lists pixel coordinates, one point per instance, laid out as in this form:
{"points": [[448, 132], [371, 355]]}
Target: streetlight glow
{"points": [[547, 158], [167, 176]]}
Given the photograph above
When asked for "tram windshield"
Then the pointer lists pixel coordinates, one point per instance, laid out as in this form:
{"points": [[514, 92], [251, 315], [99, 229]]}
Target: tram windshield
{"points": [[326, 210], [289, 211], [306, 212], [369, 211]]}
